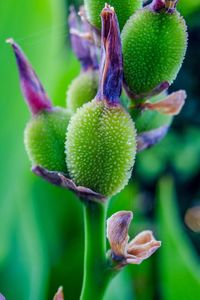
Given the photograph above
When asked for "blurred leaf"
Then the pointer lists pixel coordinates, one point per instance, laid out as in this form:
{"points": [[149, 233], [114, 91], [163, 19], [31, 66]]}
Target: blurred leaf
{"points": [[178, 265]]}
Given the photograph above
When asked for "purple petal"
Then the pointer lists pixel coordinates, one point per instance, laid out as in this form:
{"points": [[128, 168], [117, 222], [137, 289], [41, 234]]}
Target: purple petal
{"points": [[159, 5], [150, 138], [59, 295], [2, 297], [61, 180], [31, 86], [82, 41], [111, 73]]}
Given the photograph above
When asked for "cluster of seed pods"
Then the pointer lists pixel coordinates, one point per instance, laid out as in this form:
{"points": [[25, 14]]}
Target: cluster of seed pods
{"points": [[90, 146]]}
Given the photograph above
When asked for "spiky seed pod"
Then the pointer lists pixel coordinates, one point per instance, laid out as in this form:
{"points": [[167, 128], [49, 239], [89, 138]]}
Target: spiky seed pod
{"points": [[154, 42], [44, 139], [45, 132], [82, 89], [101, 142], [124, 9]]}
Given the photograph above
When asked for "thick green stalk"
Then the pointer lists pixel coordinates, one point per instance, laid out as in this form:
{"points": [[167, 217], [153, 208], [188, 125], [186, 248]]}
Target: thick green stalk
{"points": [[96, 269]]}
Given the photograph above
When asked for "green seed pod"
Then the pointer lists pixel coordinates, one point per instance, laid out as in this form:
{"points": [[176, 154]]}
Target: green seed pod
{"points": [[45, 138], [101, 139], [45, 132], [124, 9], [151, 119], [154, 42], [82, 89]]}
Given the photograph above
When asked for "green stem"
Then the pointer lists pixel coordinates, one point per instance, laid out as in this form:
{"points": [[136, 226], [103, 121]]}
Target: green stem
{"points": [[96, 269]]}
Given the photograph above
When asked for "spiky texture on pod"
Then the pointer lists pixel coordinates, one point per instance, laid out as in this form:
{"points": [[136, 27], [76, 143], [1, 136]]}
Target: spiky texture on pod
{"points": [[124, 9], [154, 46], [101, 147], [82, 89], [45, 138], [149, 119]]}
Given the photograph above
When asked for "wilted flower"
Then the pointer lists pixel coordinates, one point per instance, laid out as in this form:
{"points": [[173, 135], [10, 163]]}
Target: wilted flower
{"points": [[59, 295], [124, 252]]}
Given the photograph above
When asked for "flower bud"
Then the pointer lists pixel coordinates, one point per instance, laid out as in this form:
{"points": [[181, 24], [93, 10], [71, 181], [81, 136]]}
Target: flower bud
{"points": [[101, 140], [84, 87], [45, 132], [154, 42], [124, 9], [124, 252]]}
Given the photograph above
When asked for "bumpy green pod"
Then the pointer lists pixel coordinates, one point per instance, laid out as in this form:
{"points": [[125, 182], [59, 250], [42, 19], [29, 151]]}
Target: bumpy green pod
{"points": [[45, 138], [82, 89], [154, 45], [150, 120], [124, 9], [101, 138], [101, 147], [45, 132]]}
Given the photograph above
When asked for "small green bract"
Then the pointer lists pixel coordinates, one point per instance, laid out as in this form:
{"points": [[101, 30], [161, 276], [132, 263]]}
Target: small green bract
{"points": [[82, 89], [154, 46], [124, 9], [45, 138], [100, 147]]}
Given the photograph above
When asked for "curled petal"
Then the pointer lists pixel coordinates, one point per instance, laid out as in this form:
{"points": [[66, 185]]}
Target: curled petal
{"points": [[168, 5], [31, 86], [117, 232], [61, 180], [142, 246], [59, 295], [171, 105], [122, 252], [111, 70], [150, 138]]}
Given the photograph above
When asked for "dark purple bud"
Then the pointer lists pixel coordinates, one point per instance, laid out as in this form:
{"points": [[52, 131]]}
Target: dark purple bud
{"points": [[148, 139], [163, 86], [60, 179], [111, 72], [168, 6], [31, 86], [82, 41]]}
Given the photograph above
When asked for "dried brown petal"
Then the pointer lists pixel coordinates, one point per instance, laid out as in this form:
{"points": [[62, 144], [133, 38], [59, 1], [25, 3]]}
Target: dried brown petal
{"points": [[122, 252], [171, 105], [117, 232], [59, 295], [142, 246]]}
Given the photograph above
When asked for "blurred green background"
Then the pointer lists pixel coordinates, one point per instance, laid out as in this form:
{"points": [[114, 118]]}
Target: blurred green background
{"points": [[41, 226]]}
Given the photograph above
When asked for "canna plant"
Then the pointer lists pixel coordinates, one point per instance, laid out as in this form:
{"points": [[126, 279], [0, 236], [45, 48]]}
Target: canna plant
{"points": [[91, 149]]}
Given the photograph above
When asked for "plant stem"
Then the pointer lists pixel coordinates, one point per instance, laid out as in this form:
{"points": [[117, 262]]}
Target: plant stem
{"points": [[96, 269]]}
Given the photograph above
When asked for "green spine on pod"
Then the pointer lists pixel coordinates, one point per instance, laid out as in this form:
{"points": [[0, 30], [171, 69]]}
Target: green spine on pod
{"points": [[124, 9], [101, 137], [154, 45], [82, 89], [45, 139]]}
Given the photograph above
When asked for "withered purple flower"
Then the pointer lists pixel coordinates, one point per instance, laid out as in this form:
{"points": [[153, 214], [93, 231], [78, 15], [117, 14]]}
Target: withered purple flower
{"points": [[124, 252]]}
